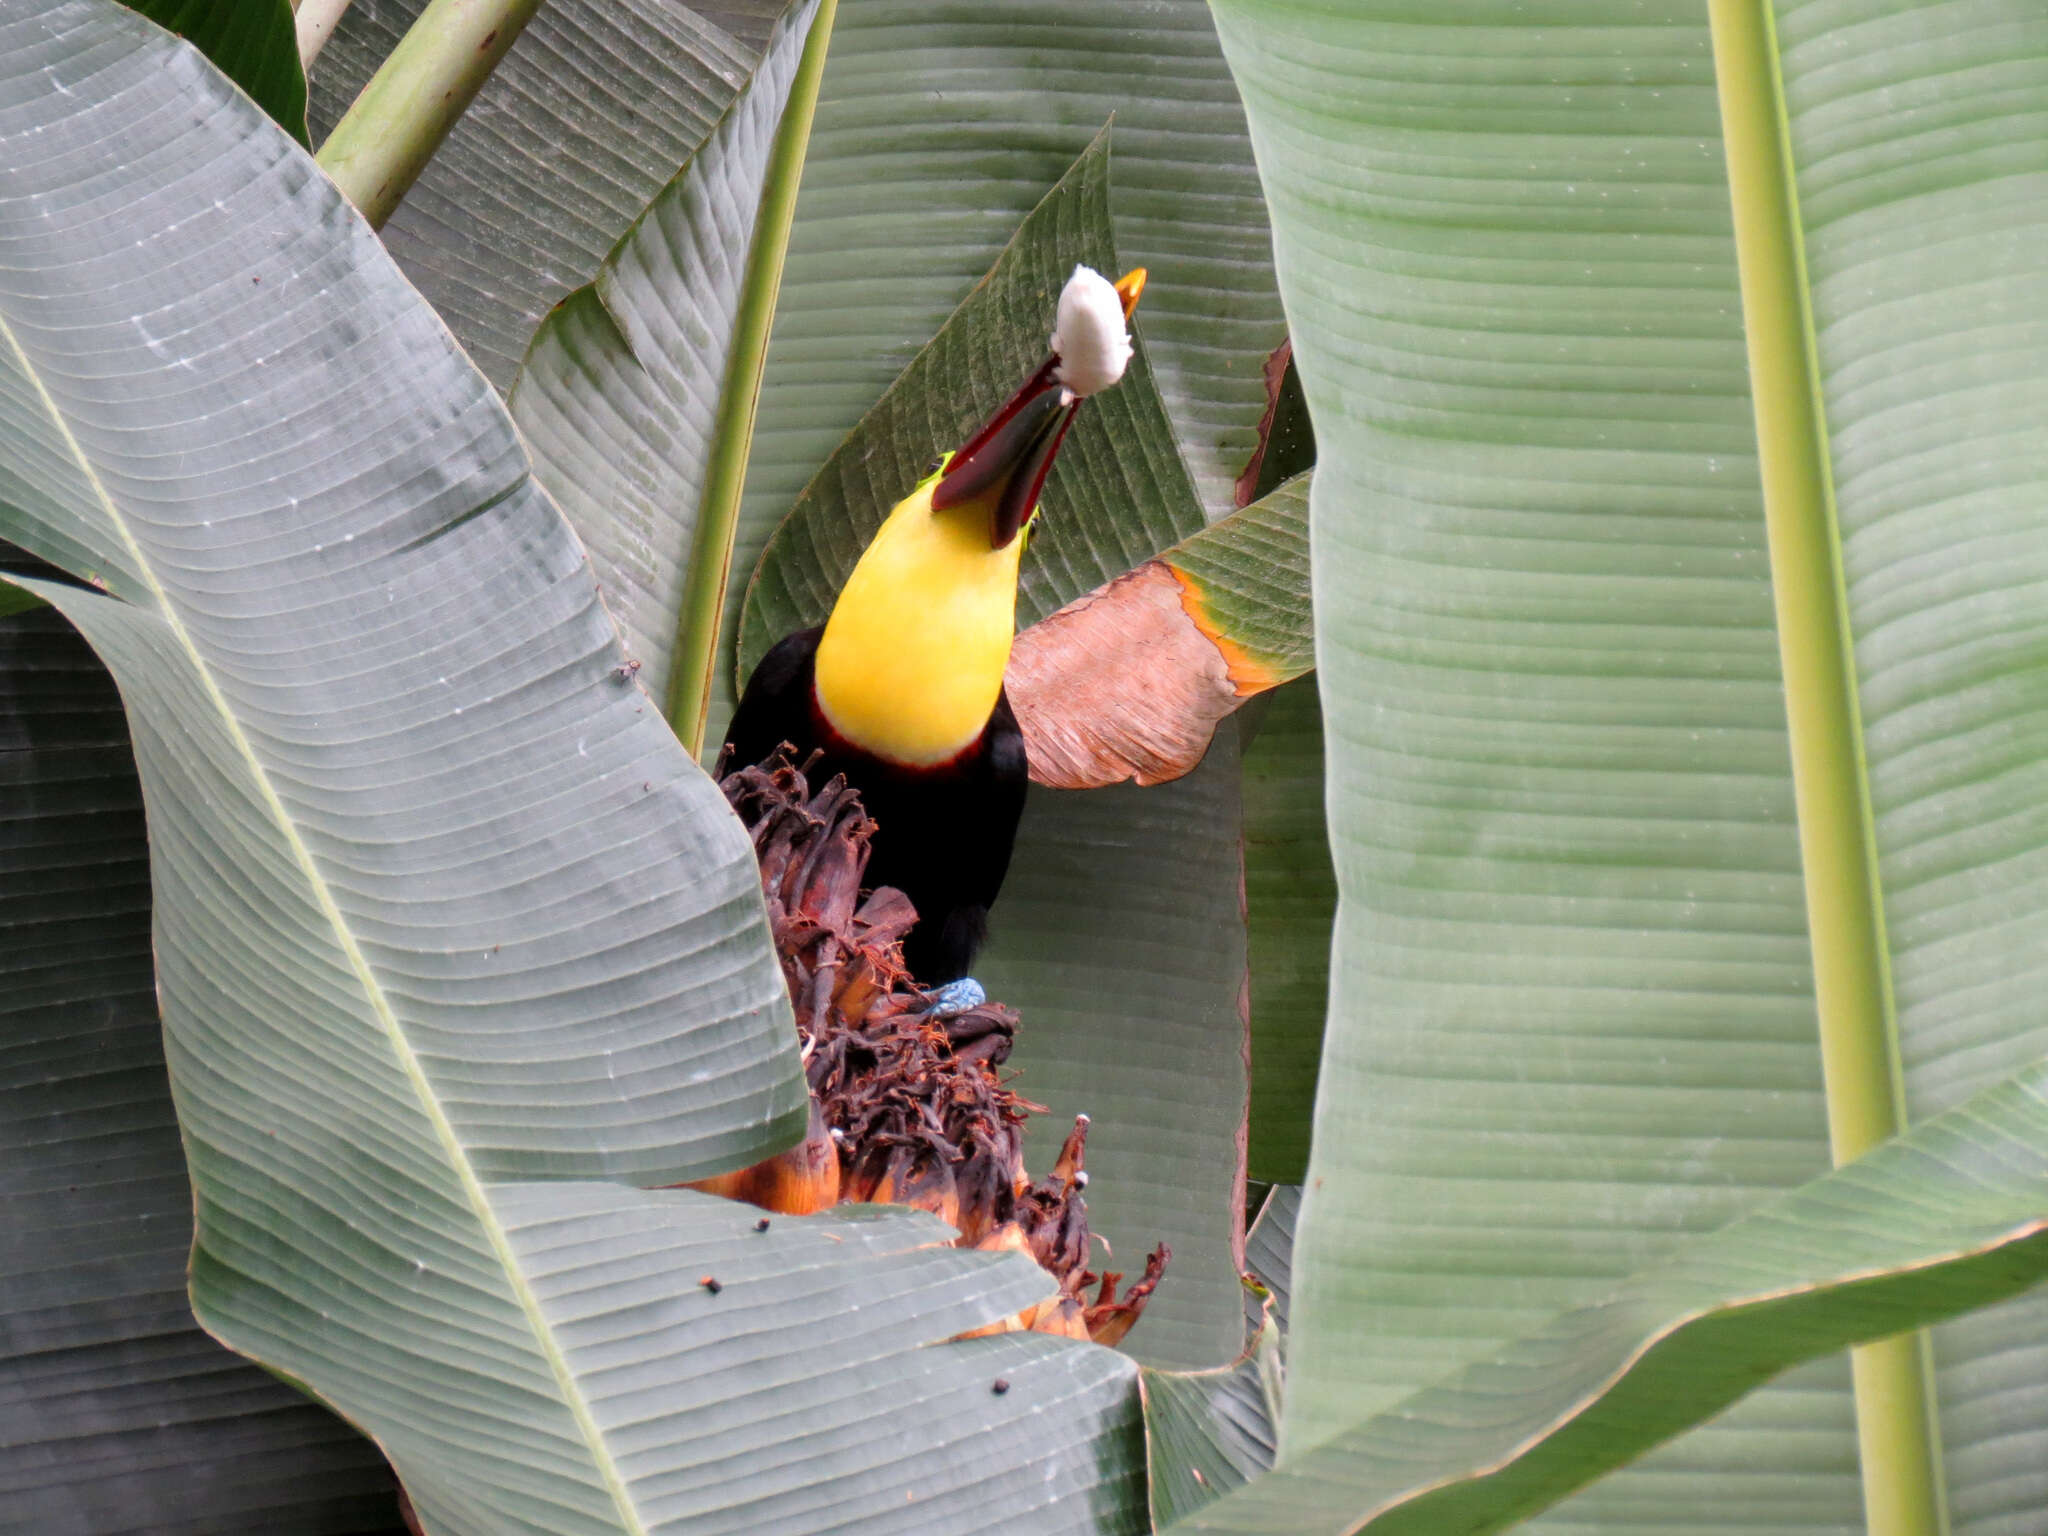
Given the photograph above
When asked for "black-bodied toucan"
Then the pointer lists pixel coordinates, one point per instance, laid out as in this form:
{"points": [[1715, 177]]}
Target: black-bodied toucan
{"points": [[902, 687]]}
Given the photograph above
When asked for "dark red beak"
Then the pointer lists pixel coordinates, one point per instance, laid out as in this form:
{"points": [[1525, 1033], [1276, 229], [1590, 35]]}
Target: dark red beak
{"points": [[1012, 453], [1010, 456]]}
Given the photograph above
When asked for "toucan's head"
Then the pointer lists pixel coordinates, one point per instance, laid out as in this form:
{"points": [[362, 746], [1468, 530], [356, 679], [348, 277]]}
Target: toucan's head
{"points": [[1004, 464]]}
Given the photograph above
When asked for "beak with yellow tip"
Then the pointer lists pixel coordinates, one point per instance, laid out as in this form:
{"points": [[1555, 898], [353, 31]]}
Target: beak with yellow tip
{"points": [[1007, 460]]}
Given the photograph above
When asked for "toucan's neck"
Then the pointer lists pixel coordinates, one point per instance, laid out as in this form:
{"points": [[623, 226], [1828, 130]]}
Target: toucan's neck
{"points": [[912, 659]]}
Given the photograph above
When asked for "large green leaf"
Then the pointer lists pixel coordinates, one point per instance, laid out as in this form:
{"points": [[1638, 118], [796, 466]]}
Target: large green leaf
{"points": [[1570, 1001], [116, 1412], [1120, 938], [441, 908], [583, 122], [619, 394], [1924, 245], [1947, 1218], [910, 194], [1119, 934], [796, 1396], [252, 42], [1570, 1016], [421, 750]]}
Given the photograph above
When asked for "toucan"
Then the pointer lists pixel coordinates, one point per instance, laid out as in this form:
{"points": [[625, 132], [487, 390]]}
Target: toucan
{"points": [[901, 689]]}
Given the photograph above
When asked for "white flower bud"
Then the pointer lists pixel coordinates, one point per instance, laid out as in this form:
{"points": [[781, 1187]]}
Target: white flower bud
{"points": [[1089, 336]]}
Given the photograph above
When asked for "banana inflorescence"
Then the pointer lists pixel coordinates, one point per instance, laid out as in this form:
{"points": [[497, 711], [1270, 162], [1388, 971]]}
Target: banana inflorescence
{"points": [[906, 1108]]}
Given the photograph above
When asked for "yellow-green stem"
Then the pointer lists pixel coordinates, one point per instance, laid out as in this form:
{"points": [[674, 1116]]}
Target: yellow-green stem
{"points": [[378, 150], [725, 477], [1897, 1429]]}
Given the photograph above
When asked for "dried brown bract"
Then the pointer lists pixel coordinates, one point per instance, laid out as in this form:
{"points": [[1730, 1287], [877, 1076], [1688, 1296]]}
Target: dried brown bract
{"points": [[905, 1108]]}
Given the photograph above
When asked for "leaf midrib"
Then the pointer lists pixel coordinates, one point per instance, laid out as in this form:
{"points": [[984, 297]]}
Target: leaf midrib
{"points": [[1898, 1424], [707, 576], [430, 1103]]}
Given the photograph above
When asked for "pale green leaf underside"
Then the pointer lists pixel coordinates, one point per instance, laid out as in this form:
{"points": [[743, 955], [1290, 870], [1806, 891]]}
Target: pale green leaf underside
{"points": [[1512, 287], [586, 118], [375, 665], [1119, 935], [1571, 1016], [117, 1410], [1917, 142], [1949, 1217], [618, 396]]}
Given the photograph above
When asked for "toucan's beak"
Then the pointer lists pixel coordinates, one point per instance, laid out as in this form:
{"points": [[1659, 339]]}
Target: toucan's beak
{"points": [[1010, 455], [1012, 452]]}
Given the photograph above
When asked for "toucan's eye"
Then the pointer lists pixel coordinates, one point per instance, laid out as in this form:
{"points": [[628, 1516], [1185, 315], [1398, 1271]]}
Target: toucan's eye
{"points": [[933, 467]]}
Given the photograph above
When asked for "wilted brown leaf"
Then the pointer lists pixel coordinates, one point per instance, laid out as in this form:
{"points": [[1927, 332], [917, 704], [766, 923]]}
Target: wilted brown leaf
{"points": [[1120, 684]]}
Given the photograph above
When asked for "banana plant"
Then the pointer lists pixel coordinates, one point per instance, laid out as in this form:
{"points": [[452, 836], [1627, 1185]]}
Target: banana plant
{"points": [[1590, 888], [413, 832], [624, 392], [1673, 531]]}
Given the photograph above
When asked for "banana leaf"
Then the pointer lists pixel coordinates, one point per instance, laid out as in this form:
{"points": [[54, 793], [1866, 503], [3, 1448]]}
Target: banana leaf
{"points": [[1573, 988], [619, 392], [1946, 1218], [452, 939], [582, 123], [115, 1409]]}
